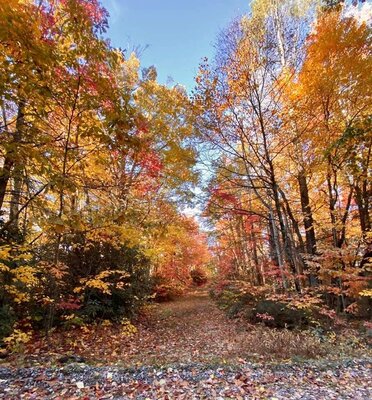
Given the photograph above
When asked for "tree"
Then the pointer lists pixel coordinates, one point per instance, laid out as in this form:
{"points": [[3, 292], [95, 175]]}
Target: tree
{"points": [[283, 109], [92, 149]]}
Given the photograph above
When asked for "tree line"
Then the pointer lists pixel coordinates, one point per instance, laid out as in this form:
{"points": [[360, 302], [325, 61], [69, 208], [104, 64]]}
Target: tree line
{"points": [[97, 159], [285, 113]]}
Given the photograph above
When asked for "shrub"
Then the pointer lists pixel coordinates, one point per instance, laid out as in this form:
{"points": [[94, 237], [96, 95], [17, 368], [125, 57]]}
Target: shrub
{"points": [[254, 304], [221, 290], [102, 279], [199, 277], [167, 291], [17, 340], [128, 281], [279, 315], [7, 320], [237, 298]]}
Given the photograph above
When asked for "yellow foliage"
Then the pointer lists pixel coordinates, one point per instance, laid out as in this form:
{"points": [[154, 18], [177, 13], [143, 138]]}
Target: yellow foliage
{"points": [[17, 339], [26, 275], [3, 267], [366, 293], [17, 295], [5, 252], [128, 329], [98, 282]]}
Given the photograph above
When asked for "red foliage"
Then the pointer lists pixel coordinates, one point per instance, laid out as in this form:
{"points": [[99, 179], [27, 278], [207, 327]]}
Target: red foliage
{"points": [[222, 195], [91, 9], [151, 163], [69, 304], [142, 125], [48, 25]]}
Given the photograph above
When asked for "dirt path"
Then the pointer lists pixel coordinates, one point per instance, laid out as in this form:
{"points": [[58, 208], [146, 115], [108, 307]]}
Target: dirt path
{"points": [[190, 329], [186, 349]]}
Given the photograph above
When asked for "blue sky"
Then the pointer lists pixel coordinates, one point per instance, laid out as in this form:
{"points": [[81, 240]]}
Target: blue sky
{"points": [[179, 33]]}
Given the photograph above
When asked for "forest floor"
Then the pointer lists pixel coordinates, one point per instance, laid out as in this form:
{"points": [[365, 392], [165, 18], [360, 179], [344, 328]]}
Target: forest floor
{"points": [[185, 349]]}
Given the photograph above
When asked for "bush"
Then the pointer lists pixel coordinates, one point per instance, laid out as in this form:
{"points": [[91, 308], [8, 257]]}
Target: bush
{"points": [[167, 291], [221, 288], [279, 315], [239, 299], [7, 320], [102, 280], [128, 292], [199, 277]]}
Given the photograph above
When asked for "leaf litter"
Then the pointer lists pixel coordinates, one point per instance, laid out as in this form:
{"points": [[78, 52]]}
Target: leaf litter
{"points": [[185, 349]]}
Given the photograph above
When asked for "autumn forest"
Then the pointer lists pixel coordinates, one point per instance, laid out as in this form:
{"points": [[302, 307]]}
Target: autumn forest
{"points": [[143, 224]]}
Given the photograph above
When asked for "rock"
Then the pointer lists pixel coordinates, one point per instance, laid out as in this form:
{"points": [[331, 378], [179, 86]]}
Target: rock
{"points": [[80, 385]]}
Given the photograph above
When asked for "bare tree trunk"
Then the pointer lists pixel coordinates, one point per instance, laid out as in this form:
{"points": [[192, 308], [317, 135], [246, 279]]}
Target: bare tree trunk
{"points": [[5, 176], [332, 200], [15, 200], [342, 238], [279, 34], [276, 246], [11, 163], [307, 214], [286, 239], [362, 199], [253, 240]]}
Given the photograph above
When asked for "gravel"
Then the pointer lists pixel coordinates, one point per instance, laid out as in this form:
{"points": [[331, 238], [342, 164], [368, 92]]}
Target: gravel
{"points": [[346, 379]]}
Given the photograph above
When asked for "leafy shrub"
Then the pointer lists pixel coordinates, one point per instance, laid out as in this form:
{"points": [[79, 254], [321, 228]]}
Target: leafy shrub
{"points": [[127, 278], [279, 315], [346, 276], [102, 279], [73, 321], [226, 285], [7, 320], [18, 276], [167, 291], [199, 277], [17, 340], [256, 305], [237, 298]]}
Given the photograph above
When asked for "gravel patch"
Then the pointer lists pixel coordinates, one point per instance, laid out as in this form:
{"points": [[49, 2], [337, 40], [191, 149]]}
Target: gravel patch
{"points": [[347, 379]]}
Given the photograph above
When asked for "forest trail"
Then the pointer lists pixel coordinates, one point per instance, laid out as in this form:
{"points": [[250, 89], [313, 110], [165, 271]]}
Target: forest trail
{"points": [[185, 349], [189, 329]]}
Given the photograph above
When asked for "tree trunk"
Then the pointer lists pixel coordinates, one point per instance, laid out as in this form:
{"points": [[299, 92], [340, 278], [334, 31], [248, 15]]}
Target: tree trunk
{"points": [[15, 200], [5, 176], [332, 200], [307, 214], [286, 239], [362, 199], [10, 163], [276, 248]]}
